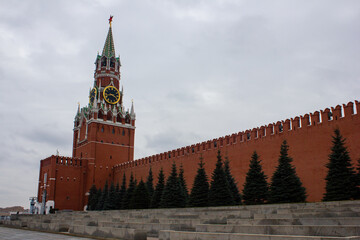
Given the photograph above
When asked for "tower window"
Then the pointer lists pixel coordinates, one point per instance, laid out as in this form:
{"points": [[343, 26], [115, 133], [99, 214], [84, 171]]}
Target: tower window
{"points": [[103, 62], [118, 118], [112, 62], [123, 132], [127, 119], [102, 129], [100, 115], [109, 116], [113, 131]]}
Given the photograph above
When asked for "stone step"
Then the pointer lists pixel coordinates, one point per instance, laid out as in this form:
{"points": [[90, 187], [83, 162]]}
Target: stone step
{"points": [[192, 222], [242, 211], [108, 232], [303, 230], [318, 210], [307, 215], [181, 235], [297, 221], [227, 214], [54, 227], [152, 229]]}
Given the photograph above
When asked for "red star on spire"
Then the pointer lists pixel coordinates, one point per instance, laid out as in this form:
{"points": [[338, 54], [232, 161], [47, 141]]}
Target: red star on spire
{"points": [[110, 19]]}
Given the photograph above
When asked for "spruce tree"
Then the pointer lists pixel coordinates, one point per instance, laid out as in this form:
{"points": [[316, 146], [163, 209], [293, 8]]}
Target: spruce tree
{"points": [[256, 188], [286, 186], [105, 194], [140, 199], [129, 193], [121, 194], [358, 179], [150, 184], [92, 201], [232, 183], [110, 202], [183, 182], [156, 197], [219, 193], [103, 197], [199, 196], [173, 195], [341, 180], [117, 195], [98, 197]]}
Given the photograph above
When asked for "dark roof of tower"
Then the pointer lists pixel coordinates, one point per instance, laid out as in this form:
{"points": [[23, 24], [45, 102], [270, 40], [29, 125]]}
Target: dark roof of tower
{"points": [[109, 49]]}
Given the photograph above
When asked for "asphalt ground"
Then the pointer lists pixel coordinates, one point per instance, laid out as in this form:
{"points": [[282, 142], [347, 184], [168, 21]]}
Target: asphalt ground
{"points": [[20, 234]]}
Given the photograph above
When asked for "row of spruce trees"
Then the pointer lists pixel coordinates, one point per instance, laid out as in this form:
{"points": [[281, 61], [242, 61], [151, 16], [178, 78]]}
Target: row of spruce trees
{"points": [[342, 183]]}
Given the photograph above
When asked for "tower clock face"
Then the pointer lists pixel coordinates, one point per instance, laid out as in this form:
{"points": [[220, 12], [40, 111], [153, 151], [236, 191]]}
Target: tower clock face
{"points": [[92, 95], [111, 94]]}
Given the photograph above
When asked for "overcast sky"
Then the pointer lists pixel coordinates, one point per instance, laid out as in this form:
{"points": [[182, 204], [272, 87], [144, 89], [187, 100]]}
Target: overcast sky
{"points": [[196, 70]]}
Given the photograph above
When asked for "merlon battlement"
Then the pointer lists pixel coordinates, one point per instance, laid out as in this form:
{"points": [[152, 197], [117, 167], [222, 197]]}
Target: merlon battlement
{"points": [[62, 160], [283, 127]]}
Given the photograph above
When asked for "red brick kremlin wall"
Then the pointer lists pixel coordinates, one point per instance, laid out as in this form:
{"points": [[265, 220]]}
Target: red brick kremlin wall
{"points": [[309, 138]]}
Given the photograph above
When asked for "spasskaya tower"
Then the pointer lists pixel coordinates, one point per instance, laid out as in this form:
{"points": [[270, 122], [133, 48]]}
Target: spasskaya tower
{"points": [[103, 130]]}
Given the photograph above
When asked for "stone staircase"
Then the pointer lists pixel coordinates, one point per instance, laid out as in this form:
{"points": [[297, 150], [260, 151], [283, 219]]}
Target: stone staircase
{"points": [[325, 220]]}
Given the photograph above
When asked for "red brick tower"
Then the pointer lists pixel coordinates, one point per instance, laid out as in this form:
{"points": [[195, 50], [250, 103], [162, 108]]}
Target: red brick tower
{"points": [[103, 130]]}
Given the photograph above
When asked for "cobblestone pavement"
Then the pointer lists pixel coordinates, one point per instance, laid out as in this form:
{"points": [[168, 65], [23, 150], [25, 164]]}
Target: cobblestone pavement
{"points": [[19, 234]]}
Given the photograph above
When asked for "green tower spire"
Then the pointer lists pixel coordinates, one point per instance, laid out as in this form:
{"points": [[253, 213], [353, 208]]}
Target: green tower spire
{"points": [[109, 49]]}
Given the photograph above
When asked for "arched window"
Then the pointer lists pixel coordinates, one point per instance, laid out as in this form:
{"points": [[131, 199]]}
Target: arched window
{"points": [[100, 114], [112, 62], [118, 118], [127, 119], [109, 116], [103, 62]]}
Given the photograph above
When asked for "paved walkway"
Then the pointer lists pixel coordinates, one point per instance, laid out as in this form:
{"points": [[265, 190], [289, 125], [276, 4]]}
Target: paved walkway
{"points": [[19, 234]]}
